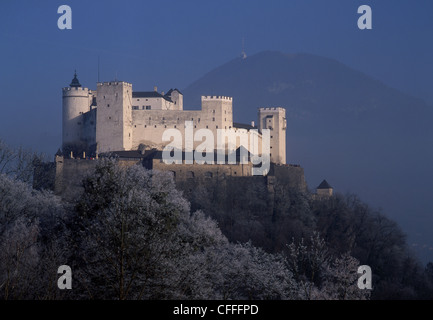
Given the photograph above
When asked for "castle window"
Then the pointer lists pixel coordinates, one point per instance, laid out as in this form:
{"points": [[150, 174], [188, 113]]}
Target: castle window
{"points": [[195, 126], [198, 119], [192, 119], [270, 147], [109, 118], [272, 137], [190, 174], [150, 118], [108, 105], [155, 125], [216, 127], [213, 119], [147, 99], [165, 126], [225, 119], [175, 126], [145, 126], [207, 127], [138, 99], [104, 97], [134, 107], [213, 111], [148, 107], [163, 118], [129, 135], [135, 126]]}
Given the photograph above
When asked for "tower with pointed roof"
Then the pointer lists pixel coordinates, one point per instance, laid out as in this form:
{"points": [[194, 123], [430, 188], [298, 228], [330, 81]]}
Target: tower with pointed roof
{"points": [[324, 189], [77, 101], [75, 83]]}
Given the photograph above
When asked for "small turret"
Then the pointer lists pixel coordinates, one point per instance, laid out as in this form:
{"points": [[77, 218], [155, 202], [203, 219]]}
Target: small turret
{"points": [[324, 189], [75, 83]]}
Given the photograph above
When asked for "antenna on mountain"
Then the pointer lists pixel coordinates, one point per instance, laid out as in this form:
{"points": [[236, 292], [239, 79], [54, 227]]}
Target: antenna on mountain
{"points": [[243, 54]]}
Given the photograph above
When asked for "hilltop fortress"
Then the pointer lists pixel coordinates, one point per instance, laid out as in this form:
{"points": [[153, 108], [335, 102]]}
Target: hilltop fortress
{"points": [[115, 121], [115, 118]]}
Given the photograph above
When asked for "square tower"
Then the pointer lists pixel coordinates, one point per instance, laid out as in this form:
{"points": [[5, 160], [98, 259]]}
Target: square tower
{"points": [[218, 111], [274, 119], [114, 116]]}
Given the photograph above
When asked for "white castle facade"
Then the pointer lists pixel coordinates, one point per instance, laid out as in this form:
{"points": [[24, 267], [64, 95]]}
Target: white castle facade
{"points": [[116, 118]]}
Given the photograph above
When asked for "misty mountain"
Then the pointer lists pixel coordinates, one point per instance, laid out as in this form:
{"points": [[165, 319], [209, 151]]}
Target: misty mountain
{"points": [[343, 125]]}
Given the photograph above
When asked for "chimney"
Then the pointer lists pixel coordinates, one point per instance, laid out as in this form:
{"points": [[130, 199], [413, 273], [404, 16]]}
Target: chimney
{"points": [[155, 88]]}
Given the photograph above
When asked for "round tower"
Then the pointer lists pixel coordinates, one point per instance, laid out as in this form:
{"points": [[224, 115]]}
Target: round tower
{"points": [[76, 102]]}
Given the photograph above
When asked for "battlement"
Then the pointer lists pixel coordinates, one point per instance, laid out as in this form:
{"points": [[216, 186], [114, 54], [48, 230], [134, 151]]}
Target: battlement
{"points": [[73, 89], [272, 109], [114, 83], [216, 98]]}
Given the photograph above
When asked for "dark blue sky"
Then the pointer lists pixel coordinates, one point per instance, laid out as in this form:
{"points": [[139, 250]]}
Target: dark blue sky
{"points": [[172, 43]]}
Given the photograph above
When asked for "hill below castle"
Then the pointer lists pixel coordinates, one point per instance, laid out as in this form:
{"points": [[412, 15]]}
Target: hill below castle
{"points": [[343, 125]]}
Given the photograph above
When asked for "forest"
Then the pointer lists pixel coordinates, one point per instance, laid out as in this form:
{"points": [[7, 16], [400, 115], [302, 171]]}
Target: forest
{"points": [[133, 235]]}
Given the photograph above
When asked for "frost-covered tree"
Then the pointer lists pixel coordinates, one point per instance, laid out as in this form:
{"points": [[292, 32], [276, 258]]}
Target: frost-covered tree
{"points": [[308, 262], [19, 258], [28, 223], [251, 273], [137, 238], [322, 276], [134, 237], [340, 280], [18, 163]]}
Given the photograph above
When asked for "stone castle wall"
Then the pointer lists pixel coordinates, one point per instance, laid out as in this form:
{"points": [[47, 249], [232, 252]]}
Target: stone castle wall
{"points": [[65, 176]]}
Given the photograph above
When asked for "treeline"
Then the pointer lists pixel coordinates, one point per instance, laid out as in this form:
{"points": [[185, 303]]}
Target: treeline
{"points": [[346, 224], [132, 235]]}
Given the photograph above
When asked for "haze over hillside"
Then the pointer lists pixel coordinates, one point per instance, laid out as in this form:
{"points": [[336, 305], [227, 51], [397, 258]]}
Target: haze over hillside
{"points": [[361, 135]]}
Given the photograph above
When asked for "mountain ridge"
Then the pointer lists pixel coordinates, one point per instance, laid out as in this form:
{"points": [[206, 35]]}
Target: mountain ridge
{"points": [[360, 134]]}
